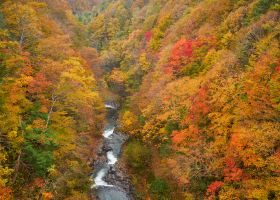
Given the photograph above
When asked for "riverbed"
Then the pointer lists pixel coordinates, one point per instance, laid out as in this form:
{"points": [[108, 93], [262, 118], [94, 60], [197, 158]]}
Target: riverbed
{"points": [[110, 179]]}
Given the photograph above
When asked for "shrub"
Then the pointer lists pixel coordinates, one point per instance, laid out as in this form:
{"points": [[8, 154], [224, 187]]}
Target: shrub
{"points": [[137, 155], [160, 188], [261, 7]]}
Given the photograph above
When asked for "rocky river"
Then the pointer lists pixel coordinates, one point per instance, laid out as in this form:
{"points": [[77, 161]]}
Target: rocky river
{"points": [[111, 181]]}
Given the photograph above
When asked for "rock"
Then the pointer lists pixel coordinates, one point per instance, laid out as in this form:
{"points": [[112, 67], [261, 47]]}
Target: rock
{"points": [[115, 174], [106, 148]]}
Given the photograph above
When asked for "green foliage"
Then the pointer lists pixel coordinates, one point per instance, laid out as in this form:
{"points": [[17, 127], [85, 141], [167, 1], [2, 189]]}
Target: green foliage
{"points": [[165, 150], [160, 188], [193, 69], [141, 119], [171, 126], [1, 20], [85, 17], [39, 159], [199, 184], [159, 31], [261, 7], [137, 155]]}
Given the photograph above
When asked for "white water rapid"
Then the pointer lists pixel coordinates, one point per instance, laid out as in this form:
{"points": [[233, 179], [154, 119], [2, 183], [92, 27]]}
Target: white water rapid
{"points": [[108, 132], [111, 160], [99, 179], [109, 180]]}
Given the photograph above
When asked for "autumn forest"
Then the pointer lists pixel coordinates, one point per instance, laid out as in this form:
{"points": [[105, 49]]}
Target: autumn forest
{"points": [[193, 85]]}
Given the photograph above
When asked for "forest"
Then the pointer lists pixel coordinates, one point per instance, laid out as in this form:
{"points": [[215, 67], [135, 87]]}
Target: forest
{"points": [[197, 83]]}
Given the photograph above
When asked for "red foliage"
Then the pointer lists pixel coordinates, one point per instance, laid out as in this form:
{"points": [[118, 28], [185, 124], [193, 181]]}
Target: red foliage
{"points": [[232, 172], [277, 69], [197, 112], [25, 53], [181, 55], [148, 36], [36, 183], [184, 52], [199, 107], [25, 57], [39, 84], [213, 187]]}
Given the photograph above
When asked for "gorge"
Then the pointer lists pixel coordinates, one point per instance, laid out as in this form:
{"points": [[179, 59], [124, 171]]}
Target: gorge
{"points": [[139, 99]]}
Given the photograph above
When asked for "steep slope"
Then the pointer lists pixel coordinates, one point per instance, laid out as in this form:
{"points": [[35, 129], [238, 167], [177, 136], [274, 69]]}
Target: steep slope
{"points": [[200, 86], [49, 105], [198, 82]]}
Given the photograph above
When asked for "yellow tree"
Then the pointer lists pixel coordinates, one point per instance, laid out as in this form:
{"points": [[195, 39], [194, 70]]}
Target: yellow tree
{"points": [[76, 91], [22, 21]]}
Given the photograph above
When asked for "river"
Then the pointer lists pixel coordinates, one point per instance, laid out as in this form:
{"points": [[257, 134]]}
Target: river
{"points": [[110, 179]]}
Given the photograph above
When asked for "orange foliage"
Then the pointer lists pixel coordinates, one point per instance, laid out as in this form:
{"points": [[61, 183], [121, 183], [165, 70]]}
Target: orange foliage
{"points": [[213, 188], [232, 172], [190, 133], [179, 136], [5, 193], [197, 112], [39, 84], [47, 195], [39, 123], [38, 182]]}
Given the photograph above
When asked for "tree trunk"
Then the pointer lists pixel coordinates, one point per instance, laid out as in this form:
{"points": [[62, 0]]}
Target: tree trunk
{"points": [[50, 112], [16, 168]]}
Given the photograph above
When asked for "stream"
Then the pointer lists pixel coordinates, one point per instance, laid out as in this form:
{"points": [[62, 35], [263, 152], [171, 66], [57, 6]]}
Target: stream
{"points": [[111, 181]]}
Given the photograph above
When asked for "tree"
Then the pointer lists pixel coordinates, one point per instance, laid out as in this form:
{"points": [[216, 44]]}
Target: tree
{"points": [[213, 189], [145, 65], [181, 55], [275, 88], [23, 21], [117, 80], [129, 122]]}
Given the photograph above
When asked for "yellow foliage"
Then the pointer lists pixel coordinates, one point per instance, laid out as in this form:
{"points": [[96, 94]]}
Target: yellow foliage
{"points": [[144, 63], [229, 193], [129, 122], [188, 196], [118, 77], [16, 139], [5, 172]]}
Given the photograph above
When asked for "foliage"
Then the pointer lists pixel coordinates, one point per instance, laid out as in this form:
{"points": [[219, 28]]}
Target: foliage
{"points": [[128, 122], [137, 156], [159, 188], [48, 101], [202, 86], [200, 81]]}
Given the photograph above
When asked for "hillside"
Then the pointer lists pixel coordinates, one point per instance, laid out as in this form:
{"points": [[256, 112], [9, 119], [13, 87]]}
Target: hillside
{"points": [[197, 82], [50, 109], [200, 86]]}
